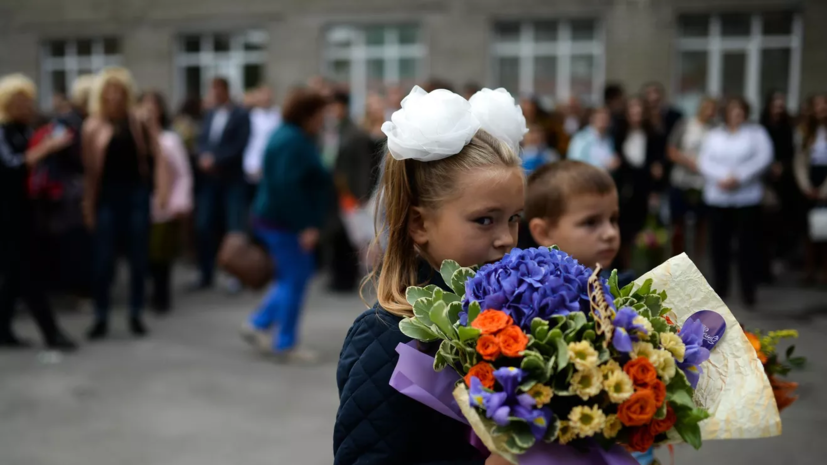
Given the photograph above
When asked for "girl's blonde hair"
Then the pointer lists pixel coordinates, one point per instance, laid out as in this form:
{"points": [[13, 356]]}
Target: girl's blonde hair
{"points": [[411, 183], [114, 75], [11, 85], [81, 89]]}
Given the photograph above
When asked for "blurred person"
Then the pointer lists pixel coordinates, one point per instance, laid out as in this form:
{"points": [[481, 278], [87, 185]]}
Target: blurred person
{"points": [[123, 168], [573, 116], [614, 97], [687, 183], [393, 100], [433, 84], [320, 85], [265, 118], [372, 124], [22, 262], [187, 121], [780, 218], [166, 220], [593, 144], [641, 151], [665, 116], [811, 176], [535, 114], [732, 160], [469, 89], [225, 132], [288, 212], [353, 153], [60, 104], [535, 153]]}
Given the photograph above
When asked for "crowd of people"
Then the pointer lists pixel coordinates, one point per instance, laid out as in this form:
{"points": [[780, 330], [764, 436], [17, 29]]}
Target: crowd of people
{"points": [[113, 173]]}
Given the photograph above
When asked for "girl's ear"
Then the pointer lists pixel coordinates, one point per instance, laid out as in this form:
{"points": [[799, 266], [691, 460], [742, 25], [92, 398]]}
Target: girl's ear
{"points": [[416, 226], [541, 232]]}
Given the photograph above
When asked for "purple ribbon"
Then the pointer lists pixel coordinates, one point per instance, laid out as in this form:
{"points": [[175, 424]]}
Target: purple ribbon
{"points": [[714, 327], [414, 376]]}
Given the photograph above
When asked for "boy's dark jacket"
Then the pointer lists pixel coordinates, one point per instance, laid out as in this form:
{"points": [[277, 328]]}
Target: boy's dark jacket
{"points": [[376, 425]]}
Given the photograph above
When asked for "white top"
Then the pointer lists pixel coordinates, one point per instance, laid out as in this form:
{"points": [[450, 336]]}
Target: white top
{"points": [[634, 148], [219, 122], [818, 153], [571, 124], [263, 121], [180, 194], [689, 138], [744, 155]]}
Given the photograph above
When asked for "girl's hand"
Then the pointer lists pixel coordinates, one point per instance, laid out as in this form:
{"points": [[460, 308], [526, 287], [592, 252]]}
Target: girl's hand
{"points": [[308, 239], [495, 459]]}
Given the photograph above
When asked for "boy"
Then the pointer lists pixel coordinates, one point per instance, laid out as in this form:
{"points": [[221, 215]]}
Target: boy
{"points": [[574, 205]]}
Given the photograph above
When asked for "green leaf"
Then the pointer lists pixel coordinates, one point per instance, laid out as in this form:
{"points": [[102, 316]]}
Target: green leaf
{"points": [[536, 324], [660, 325], [556, 338], [473, 311], [468, 334], [512, 446], [439, 315], [790, 351], [447, 270], [438, 293], [533, 365], [695, 415], [550, 368], [521, 433], [654, 303], [439, 362], [460, 277], [413, 293], [553, 429], [589, 335], [555, 321], [661, 413], [690, 432], [797, 362], [410, 328], [613, 285], [603, 354], [554, 247], [679, 391], [627, 290], [450, 297], [644, 289], [422, 310], [453, 311]]}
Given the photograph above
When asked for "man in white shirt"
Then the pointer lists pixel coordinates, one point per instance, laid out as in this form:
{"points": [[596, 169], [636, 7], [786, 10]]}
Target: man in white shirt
{"points": [[265, 118]]}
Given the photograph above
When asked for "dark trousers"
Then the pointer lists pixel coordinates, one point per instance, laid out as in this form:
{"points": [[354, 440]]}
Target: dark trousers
{"points": [[344, 262], [744, 225], [122, 223], [216, 198]]}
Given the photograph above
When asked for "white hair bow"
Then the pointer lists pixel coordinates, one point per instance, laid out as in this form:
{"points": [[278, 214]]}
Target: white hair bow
{"points": [[500, 116]]}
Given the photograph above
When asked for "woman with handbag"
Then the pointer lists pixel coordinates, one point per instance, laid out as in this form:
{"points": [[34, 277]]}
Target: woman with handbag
{"points": [[732, 161], [23, 264], [289, 209], [123, 166], [811, 177]]}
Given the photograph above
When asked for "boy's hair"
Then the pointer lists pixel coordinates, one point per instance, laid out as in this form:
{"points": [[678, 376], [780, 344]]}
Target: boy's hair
{"points": [[410, 183], [551, 188]]}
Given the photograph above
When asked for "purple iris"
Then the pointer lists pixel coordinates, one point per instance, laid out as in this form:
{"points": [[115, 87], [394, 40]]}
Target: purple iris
{"points": [[501, 406], [530, 283], [692, 335], [626, 331]]}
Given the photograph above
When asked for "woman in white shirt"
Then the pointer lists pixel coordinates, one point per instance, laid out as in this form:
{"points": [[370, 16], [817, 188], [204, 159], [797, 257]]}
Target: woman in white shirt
{"points": [[733, 158], [686, 182], [811, 177], [640, 147]]}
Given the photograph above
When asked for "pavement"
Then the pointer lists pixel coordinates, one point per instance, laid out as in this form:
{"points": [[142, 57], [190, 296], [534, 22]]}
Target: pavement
{"points": [[193, 393]]}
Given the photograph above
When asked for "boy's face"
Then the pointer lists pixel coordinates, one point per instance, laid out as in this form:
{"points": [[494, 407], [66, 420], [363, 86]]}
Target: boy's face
{"points": [[587, 230]]}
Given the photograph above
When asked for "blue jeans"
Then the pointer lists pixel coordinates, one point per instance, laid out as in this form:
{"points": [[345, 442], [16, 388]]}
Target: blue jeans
{"points": [[283, 303], [214, 197], [122, 222]]}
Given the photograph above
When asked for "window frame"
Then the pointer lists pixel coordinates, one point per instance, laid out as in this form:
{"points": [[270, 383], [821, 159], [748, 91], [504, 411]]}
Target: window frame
{"points": [[71, 63]]}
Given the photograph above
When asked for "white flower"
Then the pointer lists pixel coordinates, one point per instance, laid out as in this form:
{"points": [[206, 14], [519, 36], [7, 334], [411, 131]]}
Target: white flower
{"points": [[430, 126], [587, 421], [612, 426], [500, 116], [587, 383], [608, 368], [619, 386], [647, 326], [664, 363], [582, 355], [673, 343], [643, 349]]}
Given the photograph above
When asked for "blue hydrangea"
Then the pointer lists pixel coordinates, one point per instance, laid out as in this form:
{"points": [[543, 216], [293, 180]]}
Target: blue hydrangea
{"points": [[530, 283]]}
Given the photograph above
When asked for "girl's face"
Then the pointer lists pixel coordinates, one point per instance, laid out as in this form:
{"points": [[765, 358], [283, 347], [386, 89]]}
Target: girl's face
{"points": [[477, 226], [707, 110], [20, 108], [635, 112], [114, 100], [150, 105], [778, 106], [820, 108], [735, 115]]}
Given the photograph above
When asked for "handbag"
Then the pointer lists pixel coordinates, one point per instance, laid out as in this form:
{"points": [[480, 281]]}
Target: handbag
{"points": [[246, 259], [818, 224]]}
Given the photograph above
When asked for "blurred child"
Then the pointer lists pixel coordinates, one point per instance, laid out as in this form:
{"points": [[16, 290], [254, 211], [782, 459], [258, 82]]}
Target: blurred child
{"points": [[535, 152]]}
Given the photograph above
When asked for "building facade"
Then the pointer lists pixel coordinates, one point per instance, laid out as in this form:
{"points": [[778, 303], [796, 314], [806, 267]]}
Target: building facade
{"points": [[552, 49]]}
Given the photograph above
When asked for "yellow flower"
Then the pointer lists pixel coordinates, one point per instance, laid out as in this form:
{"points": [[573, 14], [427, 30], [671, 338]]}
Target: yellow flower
{"points": [[639, 320], [619, 386], [612, 427], [587, 383], [673, 343], [566, 433], [608, 368], [583, 355], [587, 421], [664, 363], [642, 349], [541, 394]]}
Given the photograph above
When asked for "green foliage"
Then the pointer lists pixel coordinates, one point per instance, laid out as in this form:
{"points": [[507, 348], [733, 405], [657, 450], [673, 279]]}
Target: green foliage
{"points": [[413, 329], [459, 279], [474, 310], [447, 270]]}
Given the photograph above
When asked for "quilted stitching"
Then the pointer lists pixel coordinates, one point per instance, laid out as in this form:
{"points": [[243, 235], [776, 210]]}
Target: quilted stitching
{"points": [[375, 423]]}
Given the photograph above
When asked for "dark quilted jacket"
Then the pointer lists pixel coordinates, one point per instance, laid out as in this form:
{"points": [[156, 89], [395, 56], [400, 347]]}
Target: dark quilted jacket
{"points": [[376, 425]]}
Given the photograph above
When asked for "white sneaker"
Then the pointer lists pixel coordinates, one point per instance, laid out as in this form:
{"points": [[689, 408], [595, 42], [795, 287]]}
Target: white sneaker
{"points": [[260, 340]]}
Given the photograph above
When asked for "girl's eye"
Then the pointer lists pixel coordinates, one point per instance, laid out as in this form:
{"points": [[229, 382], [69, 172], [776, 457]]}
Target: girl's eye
{"points": [[484, 221], [515, 218]]}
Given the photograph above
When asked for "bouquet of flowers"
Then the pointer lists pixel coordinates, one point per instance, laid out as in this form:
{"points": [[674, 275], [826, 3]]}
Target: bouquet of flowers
{"points": [[556, 360], [766, 345]]}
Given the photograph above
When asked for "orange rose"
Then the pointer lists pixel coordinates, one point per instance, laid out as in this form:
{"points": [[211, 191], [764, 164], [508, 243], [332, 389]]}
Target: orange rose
{"points": [[662, 426], [756, 344], [641, 439], [512, 341], [641, 371], [491, 321], [484, 372], [488, 347], [658, 390], [638, 409]]}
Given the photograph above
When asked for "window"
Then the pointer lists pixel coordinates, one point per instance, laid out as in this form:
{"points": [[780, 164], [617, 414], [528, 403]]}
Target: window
{"points": [[738, 54], [238, 57], [369, 58], [550, 59], [64, 60]]}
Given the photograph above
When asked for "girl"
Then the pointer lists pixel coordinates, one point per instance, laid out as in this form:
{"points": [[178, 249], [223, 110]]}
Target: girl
{"points": [[454, 194], [811, 176]]}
